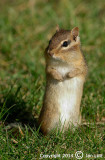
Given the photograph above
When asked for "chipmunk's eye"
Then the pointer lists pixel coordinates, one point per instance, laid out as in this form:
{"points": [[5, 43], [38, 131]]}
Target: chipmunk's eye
{"points": [[65, 43]]}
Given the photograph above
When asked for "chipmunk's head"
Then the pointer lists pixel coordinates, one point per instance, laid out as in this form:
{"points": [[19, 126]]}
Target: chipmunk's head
{"points": [[64, 45]]}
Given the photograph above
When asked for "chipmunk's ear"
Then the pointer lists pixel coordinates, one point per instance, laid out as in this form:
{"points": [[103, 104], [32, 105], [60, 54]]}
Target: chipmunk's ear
{"points": [[57, 28], [75, 32]]}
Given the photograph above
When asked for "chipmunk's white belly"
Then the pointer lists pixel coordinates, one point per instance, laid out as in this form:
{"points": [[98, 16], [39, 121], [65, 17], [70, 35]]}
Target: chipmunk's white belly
{"points": [[63, 70], [68, 99]]}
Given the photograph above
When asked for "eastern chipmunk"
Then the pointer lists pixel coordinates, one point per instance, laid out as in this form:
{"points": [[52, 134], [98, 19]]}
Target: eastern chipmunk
{"points": [[66, 70]]}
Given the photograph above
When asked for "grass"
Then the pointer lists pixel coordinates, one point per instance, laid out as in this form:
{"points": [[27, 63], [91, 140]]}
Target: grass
{"points": [[25, 28]]}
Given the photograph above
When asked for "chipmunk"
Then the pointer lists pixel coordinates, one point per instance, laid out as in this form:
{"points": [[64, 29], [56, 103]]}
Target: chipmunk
{"points": [[66, 70]]}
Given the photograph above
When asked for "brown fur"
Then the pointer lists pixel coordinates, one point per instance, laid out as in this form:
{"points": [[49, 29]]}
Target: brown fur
{"points": [[62, 63]]}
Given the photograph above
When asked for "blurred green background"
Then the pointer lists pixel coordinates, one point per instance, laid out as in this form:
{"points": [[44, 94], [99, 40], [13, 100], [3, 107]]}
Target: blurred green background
{"points": [[25, 29]]}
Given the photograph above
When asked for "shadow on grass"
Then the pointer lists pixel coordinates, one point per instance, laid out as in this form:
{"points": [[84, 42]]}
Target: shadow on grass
{"points": [[15, 110]]}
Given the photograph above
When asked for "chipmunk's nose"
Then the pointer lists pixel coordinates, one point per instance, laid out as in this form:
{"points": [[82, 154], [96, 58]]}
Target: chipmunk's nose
{"points": [[50, 53]]}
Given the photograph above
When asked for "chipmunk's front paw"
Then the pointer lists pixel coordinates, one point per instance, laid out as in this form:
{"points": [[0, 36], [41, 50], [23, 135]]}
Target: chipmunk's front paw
{"points": [[74, 73], [58, 77], [70, 75], [55, 74]]}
